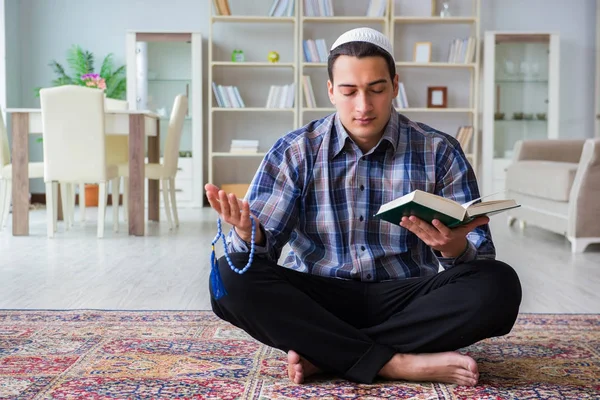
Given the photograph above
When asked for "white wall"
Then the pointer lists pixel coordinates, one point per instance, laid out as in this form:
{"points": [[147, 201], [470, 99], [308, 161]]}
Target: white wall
{"points": [[2, 59], [41, 30], [13, 53], [48, 28]]}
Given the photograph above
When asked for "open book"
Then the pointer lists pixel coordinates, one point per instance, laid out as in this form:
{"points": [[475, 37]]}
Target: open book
{"points": [[428, 206]]}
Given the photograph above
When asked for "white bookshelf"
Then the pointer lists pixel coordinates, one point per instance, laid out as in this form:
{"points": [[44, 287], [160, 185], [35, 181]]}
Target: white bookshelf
{"points": [[411, 22], [253, 77], [347, 15], [433, 19]]}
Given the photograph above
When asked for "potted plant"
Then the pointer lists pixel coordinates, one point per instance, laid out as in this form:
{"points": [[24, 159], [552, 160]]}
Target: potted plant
{"points": [[110, 79], [82, 62]]}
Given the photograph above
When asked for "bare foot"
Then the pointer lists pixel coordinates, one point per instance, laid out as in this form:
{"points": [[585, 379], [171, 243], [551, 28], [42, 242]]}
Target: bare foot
{"points": [[450, 367], [299, 368]]}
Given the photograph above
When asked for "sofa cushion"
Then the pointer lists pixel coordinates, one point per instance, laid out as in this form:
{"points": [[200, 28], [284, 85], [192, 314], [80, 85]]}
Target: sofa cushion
{"points": [[546, 179]]}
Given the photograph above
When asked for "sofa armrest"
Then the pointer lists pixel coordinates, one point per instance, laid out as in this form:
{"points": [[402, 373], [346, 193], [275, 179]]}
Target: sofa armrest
{"points": [[549, 150], [584, 207]]}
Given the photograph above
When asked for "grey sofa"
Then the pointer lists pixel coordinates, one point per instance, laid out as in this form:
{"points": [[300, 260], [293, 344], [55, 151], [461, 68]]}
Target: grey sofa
{"points": [[557, 183]]}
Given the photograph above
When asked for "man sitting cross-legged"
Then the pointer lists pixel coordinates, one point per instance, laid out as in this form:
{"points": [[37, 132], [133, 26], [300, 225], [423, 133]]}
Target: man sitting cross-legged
{"points": [[357, 296]]}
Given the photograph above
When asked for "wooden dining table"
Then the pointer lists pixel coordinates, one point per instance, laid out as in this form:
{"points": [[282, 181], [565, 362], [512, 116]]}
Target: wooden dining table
{"points": [[137, 124]]}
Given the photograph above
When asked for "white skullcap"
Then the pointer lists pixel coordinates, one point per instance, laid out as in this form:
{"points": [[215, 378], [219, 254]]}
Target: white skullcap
{"points": [[368, 35]]}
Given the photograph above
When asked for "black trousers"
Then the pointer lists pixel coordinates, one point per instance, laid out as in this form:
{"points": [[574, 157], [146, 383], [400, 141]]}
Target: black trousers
{"points": [[351, 328]]}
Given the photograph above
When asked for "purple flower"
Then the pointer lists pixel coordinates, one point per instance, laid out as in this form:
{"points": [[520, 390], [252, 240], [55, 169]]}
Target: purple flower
{"points": [[90, 76]]}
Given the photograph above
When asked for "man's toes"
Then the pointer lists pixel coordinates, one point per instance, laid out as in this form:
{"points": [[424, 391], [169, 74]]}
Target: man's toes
{"points": [[298, 373], [464, 380], [299, 378], [293, 357]]}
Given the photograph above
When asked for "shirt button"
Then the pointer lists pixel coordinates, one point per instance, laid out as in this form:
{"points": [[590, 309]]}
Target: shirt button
{"points": [[361, 218], [362, 188], [362, 248], [368, 276]]}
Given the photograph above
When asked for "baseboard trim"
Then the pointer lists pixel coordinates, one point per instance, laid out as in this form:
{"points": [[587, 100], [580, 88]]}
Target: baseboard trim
{"points": [[40, 198]]}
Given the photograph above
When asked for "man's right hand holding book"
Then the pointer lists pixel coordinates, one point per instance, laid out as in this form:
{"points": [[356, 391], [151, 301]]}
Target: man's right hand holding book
{"points": [[451, 243]]}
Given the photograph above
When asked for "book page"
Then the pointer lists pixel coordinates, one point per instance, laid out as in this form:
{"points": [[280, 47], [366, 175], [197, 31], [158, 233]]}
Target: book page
{"points": [[468, 204], [491, 207]]}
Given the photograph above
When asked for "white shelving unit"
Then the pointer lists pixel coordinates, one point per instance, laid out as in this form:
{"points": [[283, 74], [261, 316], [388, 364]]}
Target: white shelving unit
{"points": [[255, 74], [161, 65], [351, 15], [521, 87], [253, 77], [408, 27]]}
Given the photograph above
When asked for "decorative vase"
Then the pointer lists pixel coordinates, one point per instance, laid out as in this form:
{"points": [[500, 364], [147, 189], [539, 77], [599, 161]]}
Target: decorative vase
{"points": [[445, 12]]}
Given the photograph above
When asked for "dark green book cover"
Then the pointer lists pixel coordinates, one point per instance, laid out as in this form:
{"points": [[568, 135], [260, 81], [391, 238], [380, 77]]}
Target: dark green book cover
{"points": [[425, 213]]}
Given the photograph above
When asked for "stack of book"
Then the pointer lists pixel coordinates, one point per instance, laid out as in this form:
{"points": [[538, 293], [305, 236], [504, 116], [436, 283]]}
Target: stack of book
{"points": [[464, 136], [227, 96], [309, 95], [401, 101], [462, 50], [281, 96], [282, 8], [318, 8], [315, 50], [244, 146]]}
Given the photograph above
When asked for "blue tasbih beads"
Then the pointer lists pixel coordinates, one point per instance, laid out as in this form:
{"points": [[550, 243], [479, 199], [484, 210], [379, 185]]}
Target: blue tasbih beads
{"points": [[216, 282]]}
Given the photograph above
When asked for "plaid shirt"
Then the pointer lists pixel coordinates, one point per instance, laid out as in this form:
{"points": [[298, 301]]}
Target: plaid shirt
{"points": [[317, 190]]}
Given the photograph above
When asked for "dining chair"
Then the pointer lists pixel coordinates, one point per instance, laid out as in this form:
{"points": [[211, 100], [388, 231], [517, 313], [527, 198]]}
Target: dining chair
{"points": [[116, 149], [36, 170], [75, 149], [166, 171]]}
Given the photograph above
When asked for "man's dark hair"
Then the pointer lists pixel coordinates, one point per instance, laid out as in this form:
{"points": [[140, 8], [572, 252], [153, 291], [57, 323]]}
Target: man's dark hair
{"points": [[360, 50]]}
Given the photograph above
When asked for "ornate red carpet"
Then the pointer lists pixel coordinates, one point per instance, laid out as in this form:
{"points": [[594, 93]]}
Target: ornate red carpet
{"points": [[193, 355]]}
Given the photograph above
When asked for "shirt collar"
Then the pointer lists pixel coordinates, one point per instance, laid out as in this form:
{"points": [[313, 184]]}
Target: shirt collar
{"points": [[391, 134]]}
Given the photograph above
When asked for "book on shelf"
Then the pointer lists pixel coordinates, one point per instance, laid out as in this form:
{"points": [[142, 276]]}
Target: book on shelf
{"points": [[315, 50], [244, 146], [318, 8], [228, 96], [309, 95], [282, 8], [462, 50], [401, 101], [281, 96], [428, 206], [221, 7], [376, 8], [464, 136]]}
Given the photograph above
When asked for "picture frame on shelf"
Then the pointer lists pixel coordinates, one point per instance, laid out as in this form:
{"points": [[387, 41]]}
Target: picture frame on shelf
{"points": [[422, 52], [437, 97]]}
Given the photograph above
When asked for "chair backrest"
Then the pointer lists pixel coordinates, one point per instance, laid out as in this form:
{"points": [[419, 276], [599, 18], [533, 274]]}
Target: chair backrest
{"points": [[74, 136], [4, 148], [171, 153]]}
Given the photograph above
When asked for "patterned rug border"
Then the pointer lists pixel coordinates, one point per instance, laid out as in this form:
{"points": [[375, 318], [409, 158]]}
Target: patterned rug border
{"points": [[210, 311], [162, 354]]}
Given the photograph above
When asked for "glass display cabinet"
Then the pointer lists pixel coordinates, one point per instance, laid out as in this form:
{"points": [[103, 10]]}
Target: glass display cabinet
{"points": [[160, 66], [521, 100]]}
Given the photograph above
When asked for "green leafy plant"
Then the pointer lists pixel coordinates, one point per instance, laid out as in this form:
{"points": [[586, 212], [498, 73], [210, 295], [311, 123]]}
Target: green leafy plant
{"points": [[81, 63]]}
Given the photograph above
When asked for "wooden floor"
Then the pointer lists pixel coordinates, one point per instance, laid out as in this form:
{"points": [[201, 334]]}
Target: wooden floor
{"points": [[169, 270]]}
